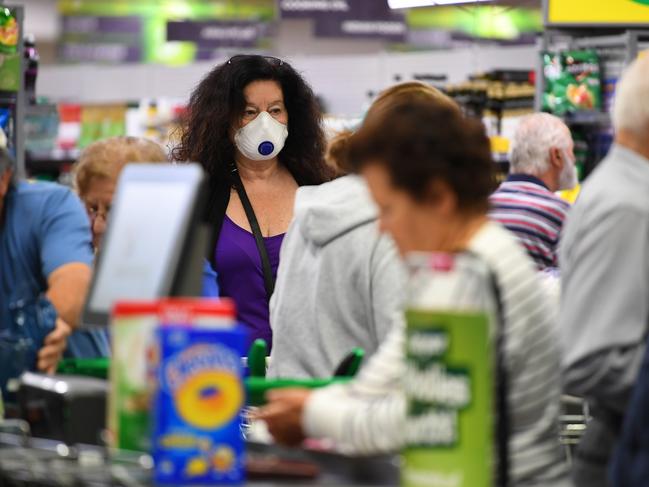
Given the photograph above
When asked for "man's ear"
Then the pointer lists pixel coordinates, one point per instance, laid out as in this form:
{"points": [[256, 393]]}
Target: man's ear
{"points": [[556, 158]]}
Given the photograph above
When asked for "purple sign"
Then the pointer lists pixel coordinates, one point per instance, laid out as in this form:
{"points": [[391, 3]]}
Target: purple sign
{"points": [[353, 19], [214, 33], [320, 9], [301, 9], [391, 29], [100, 52], [88, 24], [106, 39]]}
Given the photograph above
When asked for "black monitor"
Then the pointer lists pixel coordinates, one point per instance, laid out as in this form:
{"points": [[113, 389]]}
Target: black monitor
{"points": [[155, 241]]}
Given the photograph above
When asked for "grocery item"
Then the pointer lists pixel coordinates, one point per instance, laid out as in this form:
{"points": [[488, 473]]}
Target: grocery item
{"points": [[132, 368], [572, 81], [101, 121], [9, 31], [448, 381], [197, 312], [31, 71], [10, 71], [197, 428], [132, 340]]}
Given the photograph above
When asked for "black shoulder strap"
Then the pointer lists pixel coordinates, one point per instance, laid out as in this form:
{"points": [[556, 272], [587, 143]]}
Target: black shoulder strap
{"points": [[217, 204], [502, 405], [269, 281]]}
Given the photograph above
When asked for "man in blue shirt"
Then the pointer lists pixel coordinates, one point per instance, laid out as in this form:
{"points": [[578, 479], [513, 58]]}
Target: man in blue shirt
{"points": [[45, 270]]}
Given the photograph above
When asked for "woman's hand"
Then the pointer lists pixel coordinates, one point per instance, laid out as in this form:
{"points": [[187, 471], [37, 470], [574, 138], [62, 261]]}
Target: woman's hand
{"points": [[52, 351], [283, 415]]}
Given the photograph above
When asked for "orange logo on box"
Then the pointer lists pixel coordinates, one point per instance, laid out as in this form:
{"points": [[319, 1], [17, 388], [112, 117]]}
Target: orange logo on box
{"points": [[210, 399], [205, 385]]}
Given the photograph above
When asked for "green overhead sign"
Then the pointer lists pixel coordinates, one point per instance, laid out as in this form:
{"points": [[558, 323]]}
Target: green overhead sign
{"points": [[155, 14], [482, 21]]}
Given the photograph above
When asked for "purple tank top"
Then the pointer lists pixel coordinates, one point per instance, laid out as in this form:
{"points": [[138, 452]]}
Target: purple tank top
{"points": [[240, 276]]}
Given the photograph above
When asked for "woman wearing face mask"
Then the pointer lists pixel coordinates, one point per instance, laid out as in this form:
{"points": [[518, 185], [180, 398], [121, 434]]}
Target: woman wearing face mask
{"points": [[255, 126]]}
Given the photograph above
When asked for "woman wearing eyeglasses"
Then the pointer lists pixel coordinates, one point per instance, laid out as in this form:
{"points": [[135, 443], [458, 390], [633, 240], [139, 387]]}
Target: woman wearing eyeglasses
{"points": [[95, 178], [254, 125], [97, 171]]}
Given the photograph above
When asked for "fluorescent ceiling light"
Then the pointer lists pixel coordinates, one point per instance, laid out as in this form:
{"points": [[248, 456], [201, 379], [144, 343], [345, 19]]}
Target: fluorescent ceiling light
{"points": [[396, 4]]}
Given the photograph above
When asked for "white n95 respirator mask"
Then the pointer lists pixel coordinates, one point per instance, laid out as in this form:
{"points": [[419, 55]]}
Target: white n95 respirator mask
{"points": [[261, 139]]}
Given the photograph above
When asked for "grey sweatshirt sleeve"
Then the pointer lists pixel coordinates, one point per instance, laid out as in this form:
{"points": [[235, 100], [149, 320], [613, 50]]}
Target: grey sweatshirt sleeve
{"points": [[387, 287], [605, 306], [607, 377]]}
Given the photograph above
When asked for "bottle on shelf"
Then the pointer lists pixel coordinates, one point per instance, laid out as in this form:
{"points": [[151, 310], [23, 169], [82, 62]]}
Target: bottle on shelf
{"points": [[31, 68]]}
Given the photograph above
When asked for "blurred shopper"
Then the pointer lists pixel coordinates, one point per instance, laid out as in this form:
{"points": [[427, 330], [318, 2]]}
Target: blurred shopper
{"points": [[340, 282], [255, 126], [97, 171], [45, 259], [605, 273], [95, 179], [630, 462], [430, 172], [542, 161]]}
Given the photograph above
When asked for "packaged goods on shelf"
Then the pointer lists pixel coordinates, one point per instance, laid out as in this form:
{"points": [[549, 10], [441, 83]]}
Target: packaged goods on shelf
{"points": [[41, 128], [572, 81], [101, 121], [56, 133], [495, 93], [10, 72]]}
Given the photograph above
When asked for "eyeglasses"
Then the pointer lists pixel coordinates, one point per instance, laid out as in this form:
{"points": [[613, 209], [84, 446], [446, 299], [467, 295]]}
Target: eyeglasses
{"points": [[269, 59], [94, 212]]}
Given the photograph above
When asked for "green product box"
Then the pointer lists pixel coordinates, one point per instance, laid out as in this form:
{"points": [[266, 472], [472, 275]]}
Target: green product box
{"points": [[10, 75], [131, 381], [449, 390]]}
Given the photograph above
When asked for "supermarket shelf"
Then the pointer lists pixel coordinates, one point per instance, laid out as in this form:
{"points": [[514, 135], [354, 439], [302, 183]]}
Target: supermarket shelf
{"points": [[50, 161], [594, 118], [8, 98]]}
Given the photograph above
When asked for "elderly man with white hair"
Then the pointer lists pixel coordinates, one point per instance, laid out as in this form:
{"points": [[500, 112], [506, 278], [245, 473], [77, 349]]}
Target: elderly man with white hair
{"points": [[604, 256], [542, 161]]}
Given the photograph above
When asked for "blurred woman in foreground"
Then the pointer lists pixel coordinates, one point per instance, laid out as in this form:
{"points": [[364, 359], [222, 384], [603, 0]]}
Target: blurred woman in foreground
{"points": [[430, 172]]}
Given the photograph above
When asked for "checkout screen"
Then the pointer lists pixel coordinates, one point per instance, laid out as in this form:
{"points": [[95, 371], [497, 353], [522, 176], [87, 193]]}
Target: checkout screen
{"points": [[146, 231]]}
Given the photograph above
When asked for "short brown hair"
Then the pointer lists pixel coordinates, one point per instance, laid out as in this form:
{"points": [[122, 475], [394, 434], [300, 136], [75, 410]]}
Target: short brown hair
{"points": [[105, 159], [420, 140], [338, 152]]}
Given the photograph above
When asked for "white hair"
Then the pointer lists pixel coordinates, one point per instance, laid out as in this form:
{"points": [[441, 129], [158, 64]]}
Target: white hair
{"points": [[631, 105], [535, 136]]}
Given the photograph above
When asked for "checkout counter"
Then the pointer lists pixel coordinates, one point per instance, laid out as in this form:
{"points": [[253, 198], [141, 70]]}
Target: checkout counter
{"points": [[35, 462], [153, 249], [58, 434]]}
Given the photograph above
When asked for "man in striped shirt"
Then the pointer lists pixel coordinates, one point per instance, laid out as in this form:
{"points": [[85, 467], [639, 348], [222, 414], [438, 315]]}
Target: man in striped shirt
{"points": [[542, 161]]}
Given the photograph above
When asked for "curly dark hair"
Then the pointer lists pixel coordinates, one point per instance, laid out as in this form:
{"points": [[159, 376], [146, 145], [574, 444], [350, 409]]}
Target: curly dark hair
{"points": [[218, 103], [421, 141]]}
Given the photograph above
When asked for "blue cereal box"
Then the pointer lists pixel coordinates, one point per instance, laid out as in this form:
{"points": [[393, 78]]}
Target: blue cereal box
{"points": [[197, 426]]}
